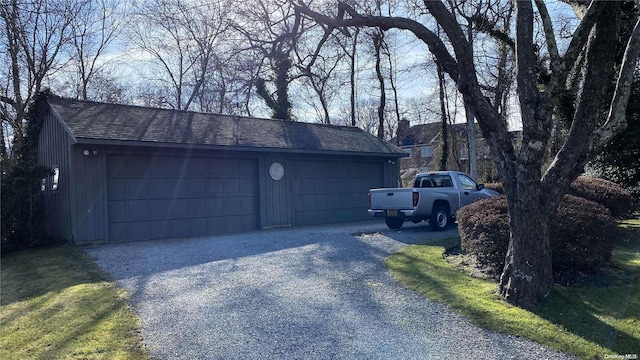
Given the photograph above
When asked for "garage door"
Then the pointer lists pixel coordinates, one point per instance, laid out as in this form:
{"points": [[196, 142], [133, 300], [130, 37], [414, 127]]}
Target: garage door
{"points": [[153, 197], [333, 191]]}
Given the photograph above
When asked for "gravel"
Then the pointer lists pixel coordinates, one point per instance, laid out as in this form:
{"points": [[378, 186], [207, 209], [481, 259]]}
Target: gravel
{"points": [[302, 293]]}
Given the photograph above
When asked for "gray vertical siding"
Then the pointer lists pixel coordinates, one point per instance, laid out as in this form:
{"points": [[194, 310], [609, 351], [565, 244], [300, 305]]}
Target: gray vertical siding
{"points": [[392, 173], [277, 208], [54, 146], [88, 179]]}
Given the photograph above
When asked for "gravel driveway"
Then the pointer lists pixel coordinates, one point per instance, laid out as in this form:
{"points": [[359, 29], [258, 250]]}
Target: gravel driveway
{"points": [[302, 293]]}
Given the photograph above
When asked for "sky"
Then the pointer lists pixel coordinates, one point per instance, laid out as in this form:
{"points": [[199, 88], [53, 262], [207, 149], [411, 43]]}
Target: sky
{"points": [[416, 77]]}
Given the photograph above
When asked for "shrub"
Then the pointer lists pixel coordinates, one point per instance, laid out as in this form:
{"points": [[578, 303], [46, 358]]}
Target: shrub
{"points": [[22, 222], [484, 231], [582, 234], [22, 218], [495, 187], [617, 199]]}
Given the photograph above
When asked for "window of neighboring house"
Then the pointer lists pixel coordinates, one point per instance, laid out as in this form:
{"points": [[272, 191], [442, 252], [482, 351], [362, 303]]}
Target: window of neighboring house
{"points": [[56, 178], [426, 151], [408, 151], [464, 153]]}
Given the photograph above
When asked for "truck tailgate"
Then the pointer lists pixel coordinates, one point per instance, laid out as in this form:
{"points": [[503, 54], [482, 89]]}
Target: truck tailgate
{"points": [[399, 198]]}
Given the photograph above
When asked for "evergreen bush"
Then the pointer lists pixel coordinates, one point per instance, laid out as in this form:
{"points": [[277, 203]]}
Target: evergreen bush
{"points": [[582, 234], [22, 222], [614, 197], [484, 231], [495, 187]]}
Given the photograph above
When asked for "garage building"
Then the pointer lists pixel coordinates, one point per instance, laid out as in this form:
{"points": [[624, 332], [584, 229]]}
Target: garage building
{"points": [[126, 173]]}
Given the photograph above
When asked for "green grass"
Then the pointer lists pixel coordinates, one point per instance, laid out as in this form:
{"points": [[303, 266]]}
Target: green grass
{"points": [[56, 304], [588, 321]]}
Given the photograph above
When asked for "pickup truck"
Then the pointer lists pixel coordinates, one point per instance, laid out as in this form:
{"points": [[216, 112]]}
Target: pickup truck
{"points": [[435, 197]]}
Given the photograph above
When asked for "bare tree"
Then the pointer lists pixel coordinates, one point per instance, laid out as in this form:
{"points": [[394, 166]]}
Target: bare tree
{"points": [[352, 76], [324, 82], [444, 136], [367, 116], [182, 39], [320, 58], [533, 192], [34, 35], [421, 108], [271, 31], [378, 42], [94, 29], [393, 82]]}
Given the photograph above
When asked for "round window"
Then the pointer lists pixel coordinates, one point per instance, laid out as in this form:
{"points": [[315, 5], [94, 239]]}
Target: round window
{"points": [[276, 171]]}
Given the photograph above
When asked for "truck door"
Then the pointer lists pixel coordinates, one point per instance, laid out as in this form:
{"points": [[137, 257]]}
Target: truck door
{"points": [[469, 191]]}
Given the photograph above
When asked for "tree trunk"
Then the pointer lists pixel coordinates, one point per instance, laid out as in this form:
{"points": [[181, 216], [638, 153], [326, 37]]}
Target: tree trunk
{"points": [[282, 67], [394, 88], [444, 136], [3, 148], [471, 143], [527, 277], [352, 78], [377, 43], [471, 126]]}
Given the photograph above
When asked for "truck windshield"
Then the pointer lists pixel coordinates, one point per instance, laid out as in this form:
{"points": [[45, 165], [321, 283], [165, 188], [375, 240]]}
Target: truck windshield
{"points": [[433, 180]]}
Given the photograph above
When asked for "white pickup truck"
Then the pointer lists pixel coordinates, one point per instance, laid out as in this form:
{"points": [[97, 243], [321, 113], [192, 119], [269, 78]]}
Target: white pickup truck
{"points": [[435, 197]]}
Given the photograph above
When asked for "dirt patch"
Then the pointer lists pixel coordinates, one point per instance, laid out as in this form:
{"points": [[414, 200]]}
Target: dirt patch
{"points": [[468, 264], [367, 234], [606, 275]]}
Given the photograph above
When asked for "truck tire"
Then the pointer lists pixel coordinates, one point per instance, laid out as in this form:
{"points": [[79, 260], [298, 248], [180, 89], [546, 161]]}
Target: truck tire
{"points": [[394, 223], [439, 219]]}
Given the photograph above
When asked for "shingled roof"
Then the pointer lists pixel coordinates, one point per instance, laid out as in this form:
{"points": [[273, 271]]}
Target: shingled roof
{"points": [[420, 134], [101, 123], [424, 134]]}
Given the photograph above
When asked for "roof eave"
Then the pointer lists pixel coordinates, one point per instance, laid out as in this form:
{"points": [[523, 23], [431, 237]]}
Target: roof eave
{"points": [[64, 125], [150, 144]]}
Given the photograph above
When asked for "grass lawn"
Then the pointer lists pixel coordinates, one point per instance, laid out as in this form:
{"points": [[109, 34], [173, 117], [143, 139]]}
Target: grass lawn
{"points": [[56, 304], [588, 321]]}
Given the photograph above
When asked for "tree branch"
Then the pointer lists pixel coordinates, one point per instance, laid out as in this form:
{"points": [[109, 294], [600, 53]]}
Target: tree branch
{"points": [[494, 130], [579, 40], [552, 46], [592, 100], [8, 100], [526, 64], [461, 69], [616, 120], [436, 46], [486, 26]]}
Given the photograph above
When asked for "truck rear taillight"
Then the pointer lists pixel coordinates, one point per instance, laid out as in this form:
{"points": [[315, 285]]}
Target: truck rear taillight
{"points": [[369, 200], [416, 198]]}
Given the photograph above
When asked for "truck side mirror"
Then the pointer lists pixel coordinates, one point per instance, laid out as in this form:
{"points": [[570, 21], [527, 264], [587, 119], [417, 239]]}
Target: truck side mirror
{"points": [[480, 186]]}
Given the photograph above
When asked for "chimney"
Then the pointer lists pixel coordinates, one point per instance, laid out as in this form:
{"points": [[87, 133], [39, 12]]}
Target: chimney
{"points": [[403, 129]]}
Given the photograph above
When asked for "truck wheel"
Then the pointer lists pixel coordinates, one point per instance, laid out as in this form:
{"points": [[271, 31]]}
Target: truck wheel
{"points": [[439, 219], [394, 223]]}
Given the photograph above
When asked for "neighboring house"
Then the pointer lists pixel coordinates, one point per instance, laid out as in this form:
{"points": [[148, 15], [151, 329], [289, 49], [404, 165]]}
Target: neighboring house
{"points": [[423, 145], [125, 173]]}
